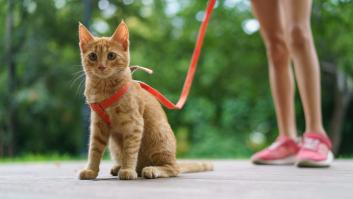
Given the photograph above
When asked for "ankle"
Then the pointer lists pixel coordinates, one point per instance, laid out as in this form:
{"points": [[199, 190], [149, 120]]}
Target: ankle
{"points": [[292, 135], [316, 130], [315, 127]]}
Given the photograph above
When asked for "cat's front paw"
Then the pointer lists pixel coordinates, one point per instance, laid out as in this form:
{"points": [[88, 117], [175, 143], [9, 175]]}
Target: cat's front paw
{"points": [[127, 174], [88, 174], [150, 172], [115, 170]]}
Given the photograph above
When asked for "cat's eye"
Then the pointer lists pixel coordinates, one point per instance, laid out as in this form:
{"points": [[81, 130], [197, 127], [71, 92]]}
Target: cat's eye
{"points": [[92, 56], [111, 56]]}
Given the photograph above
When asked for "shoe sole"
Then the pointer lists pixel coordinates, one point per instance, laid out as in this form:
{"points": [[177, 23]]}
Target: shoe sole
{"points": [[285, 161], [312, 163]]}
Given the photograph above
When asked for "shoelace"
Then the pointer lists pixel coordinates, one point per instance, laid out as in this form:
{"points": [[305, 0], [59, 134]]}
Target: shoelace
{"points": [[310, 143]]}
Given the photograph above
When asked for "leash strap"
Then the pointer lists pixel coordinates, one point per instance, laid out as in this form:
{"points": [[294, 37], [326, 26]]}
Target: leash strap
{"points": [[100, 107], [192, 67]]}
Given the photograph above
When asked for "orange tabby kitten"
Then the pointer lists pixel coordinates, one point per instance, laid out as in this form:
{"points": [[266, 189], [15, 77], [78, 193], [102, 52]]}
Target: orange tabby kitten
{"points": [[140, 138]]}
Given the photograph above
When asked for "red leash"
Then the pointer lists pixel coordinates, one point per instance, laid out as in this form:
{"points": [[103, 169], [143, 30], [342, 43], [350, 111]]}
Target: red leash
{"points": [[100, 107], [192, 68]]}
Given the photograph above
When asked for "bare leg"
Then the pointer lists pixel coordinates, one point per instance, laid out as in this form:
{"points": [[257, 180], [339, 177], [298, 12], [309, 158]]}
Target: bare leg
{"points": [[269, 13], [305, 60]]}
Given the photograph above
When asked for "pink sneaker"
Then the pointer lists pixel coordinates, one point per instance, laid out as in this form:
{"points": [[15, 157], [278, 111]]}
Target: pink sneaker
{"points": [[282, 152], [315, 151]]}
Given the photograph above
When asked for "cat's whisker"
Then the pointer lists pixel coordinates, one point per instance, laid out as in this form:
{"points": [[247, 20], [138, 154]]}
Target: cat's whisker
{"points": [[79, 76], [78, 90], [77, 65], [80, 71], [80, 79]]}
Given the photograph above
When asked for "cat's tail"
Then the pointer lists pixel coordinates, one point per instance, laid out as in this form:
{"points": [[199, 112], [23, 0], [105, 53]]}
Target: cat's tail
{"points": [[191, 167]]}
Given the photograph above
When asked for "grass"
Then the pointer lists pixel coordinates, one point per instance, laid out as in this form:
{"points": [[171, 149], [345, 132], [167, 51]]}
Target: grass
{"points": [[28, 158], [40, 158]]}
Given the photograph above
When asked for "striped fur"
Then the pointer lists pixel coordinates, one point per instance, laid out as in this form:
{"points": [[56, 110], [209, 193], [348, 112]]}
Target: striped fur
{"points": [[140, 141]]}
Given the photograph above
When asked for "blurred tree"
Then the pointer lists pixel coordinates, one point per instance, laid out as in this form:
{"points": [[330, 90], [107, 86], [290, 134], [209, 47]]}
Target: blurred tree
{"points": [[335, 59], [8, 140], [229, 112]]}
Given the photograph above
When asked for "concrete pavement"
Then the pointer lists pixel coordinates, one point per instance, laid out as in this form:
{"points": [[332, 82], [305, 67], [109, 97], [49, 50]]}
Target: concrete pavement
{"points": [[231, 179]]}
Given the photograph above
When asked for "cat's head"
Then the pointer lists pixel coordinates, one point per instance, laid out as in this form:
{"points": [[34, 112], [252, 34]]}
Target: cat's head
{"points": [[104, 57]]}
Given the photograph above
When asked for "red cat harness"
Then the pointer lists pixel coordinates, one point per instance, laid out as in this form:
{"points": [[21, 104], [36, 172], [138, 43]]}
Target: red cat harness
{"points": [[100, 107]]}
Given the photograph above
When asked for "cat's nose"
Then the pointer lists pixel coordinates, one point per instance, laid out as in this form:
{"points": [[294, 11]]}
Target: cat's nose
{"points": [[101, 67]]}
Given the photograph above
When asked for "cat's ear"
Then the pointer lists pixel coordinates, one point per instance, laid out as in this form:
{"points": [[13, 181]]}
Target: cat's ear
{"points": [[84, 35], [121, 35]]}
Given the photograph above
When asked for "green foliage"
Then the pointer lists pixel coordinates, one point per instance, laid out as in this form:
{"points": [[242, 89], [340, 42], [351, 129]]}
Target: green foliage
{"points": [[38, 158], [229, 112]]}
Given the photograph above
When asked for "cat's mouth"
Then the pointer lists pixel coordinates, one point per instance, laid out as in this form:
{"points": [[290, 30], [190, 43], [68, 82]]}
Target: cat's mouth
{"points": [[106, 73], [103, 74]]}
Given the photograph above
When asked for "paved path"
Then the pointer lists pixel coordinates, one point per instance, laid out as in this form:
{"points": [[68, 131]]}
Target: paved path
{"points": [[231, 179]]}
